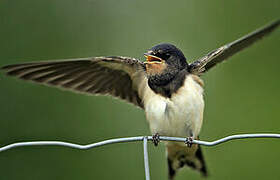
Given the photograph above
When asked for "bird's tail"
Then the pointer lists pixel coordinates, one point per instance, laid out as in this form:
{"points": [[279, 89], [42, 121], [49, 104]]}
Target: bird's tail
{"points": [[179, 155]]}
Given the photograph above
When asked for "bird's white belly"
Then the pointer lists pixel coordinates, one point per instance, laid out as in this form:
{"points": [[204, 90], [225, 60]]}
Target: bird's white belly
{"points": [[180, 115]]}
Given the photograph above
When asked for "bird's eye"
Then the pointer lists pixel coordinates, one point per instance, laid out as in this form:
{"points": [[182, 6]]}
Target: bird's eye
{"points": [[164, 56], [167, 55]]}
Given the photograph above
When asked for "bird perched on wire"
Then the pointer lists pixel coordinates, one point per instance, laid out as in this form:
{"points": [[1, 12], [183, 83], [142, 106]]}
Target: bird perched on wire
{"points": [[166, 87]]}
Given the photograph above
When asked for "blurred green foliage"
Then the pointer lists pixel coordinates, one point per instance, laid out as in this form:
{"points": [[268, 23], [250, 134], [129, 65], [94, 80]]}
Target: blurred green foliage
{"points": [[242, 95]]}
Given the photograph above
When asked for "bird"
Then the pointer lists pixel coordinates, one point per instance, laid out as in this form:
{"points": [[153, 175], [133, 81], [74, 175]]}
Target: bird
{"points": [[166, 86]]}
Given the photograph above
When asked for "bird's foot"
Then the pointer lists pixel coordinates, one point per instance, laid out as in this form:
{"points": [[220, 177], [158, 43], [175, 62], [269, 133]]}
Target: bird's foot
{"points": [[155, 139], [189, 141]]}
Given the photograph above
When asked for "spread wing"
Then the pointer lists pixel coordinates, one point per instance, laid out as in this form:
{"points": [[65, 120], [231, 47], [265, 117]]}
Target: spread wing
{"points": [[116, 76], [214, 57]]}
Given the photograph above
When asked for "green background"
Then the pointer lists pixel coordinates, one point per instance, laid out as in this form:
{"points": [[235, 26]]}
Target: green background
{"points": [[242, 95]]}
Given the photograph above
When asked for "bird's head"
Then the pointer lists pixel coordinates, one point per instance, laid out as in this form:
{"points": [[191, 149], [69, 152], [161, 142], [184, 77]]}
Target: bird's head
{"points": [[164, 61]]}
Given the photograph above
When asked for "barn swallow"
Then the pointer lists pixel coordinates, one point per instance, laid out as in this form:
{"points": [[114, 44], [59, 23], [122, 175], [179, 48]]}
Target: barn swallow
{"points": [[165, 86]]}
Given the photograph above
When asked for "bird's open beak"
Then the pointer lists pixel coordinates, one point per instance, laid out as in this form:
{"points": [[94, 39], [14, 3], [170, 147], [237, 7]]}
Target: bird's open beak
{"points": [[151, 59]]}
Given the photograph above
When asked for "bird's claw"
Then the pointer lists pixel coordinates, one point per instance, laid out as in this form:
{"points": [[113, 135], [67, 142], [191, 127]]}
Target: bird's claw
{"points": [[189, 141], [155, 139]]}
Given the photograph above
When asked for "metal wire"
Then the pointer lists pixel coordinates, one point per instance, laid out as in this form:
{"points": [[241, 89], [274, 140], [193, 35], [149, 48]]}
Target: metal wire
{"points": [[146, 158], [139, 138], [132, 139]]}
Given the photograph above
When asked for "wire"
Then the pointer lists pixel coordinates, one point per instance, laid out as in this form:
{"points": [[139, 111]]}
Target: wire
{"points": [[138, 138]]}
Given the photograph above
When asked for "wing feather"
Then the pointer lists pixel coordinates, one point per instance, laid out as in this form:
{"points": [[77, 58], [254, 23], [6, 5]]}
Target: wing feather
{"points": [[219, 55], [97, 75]]}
